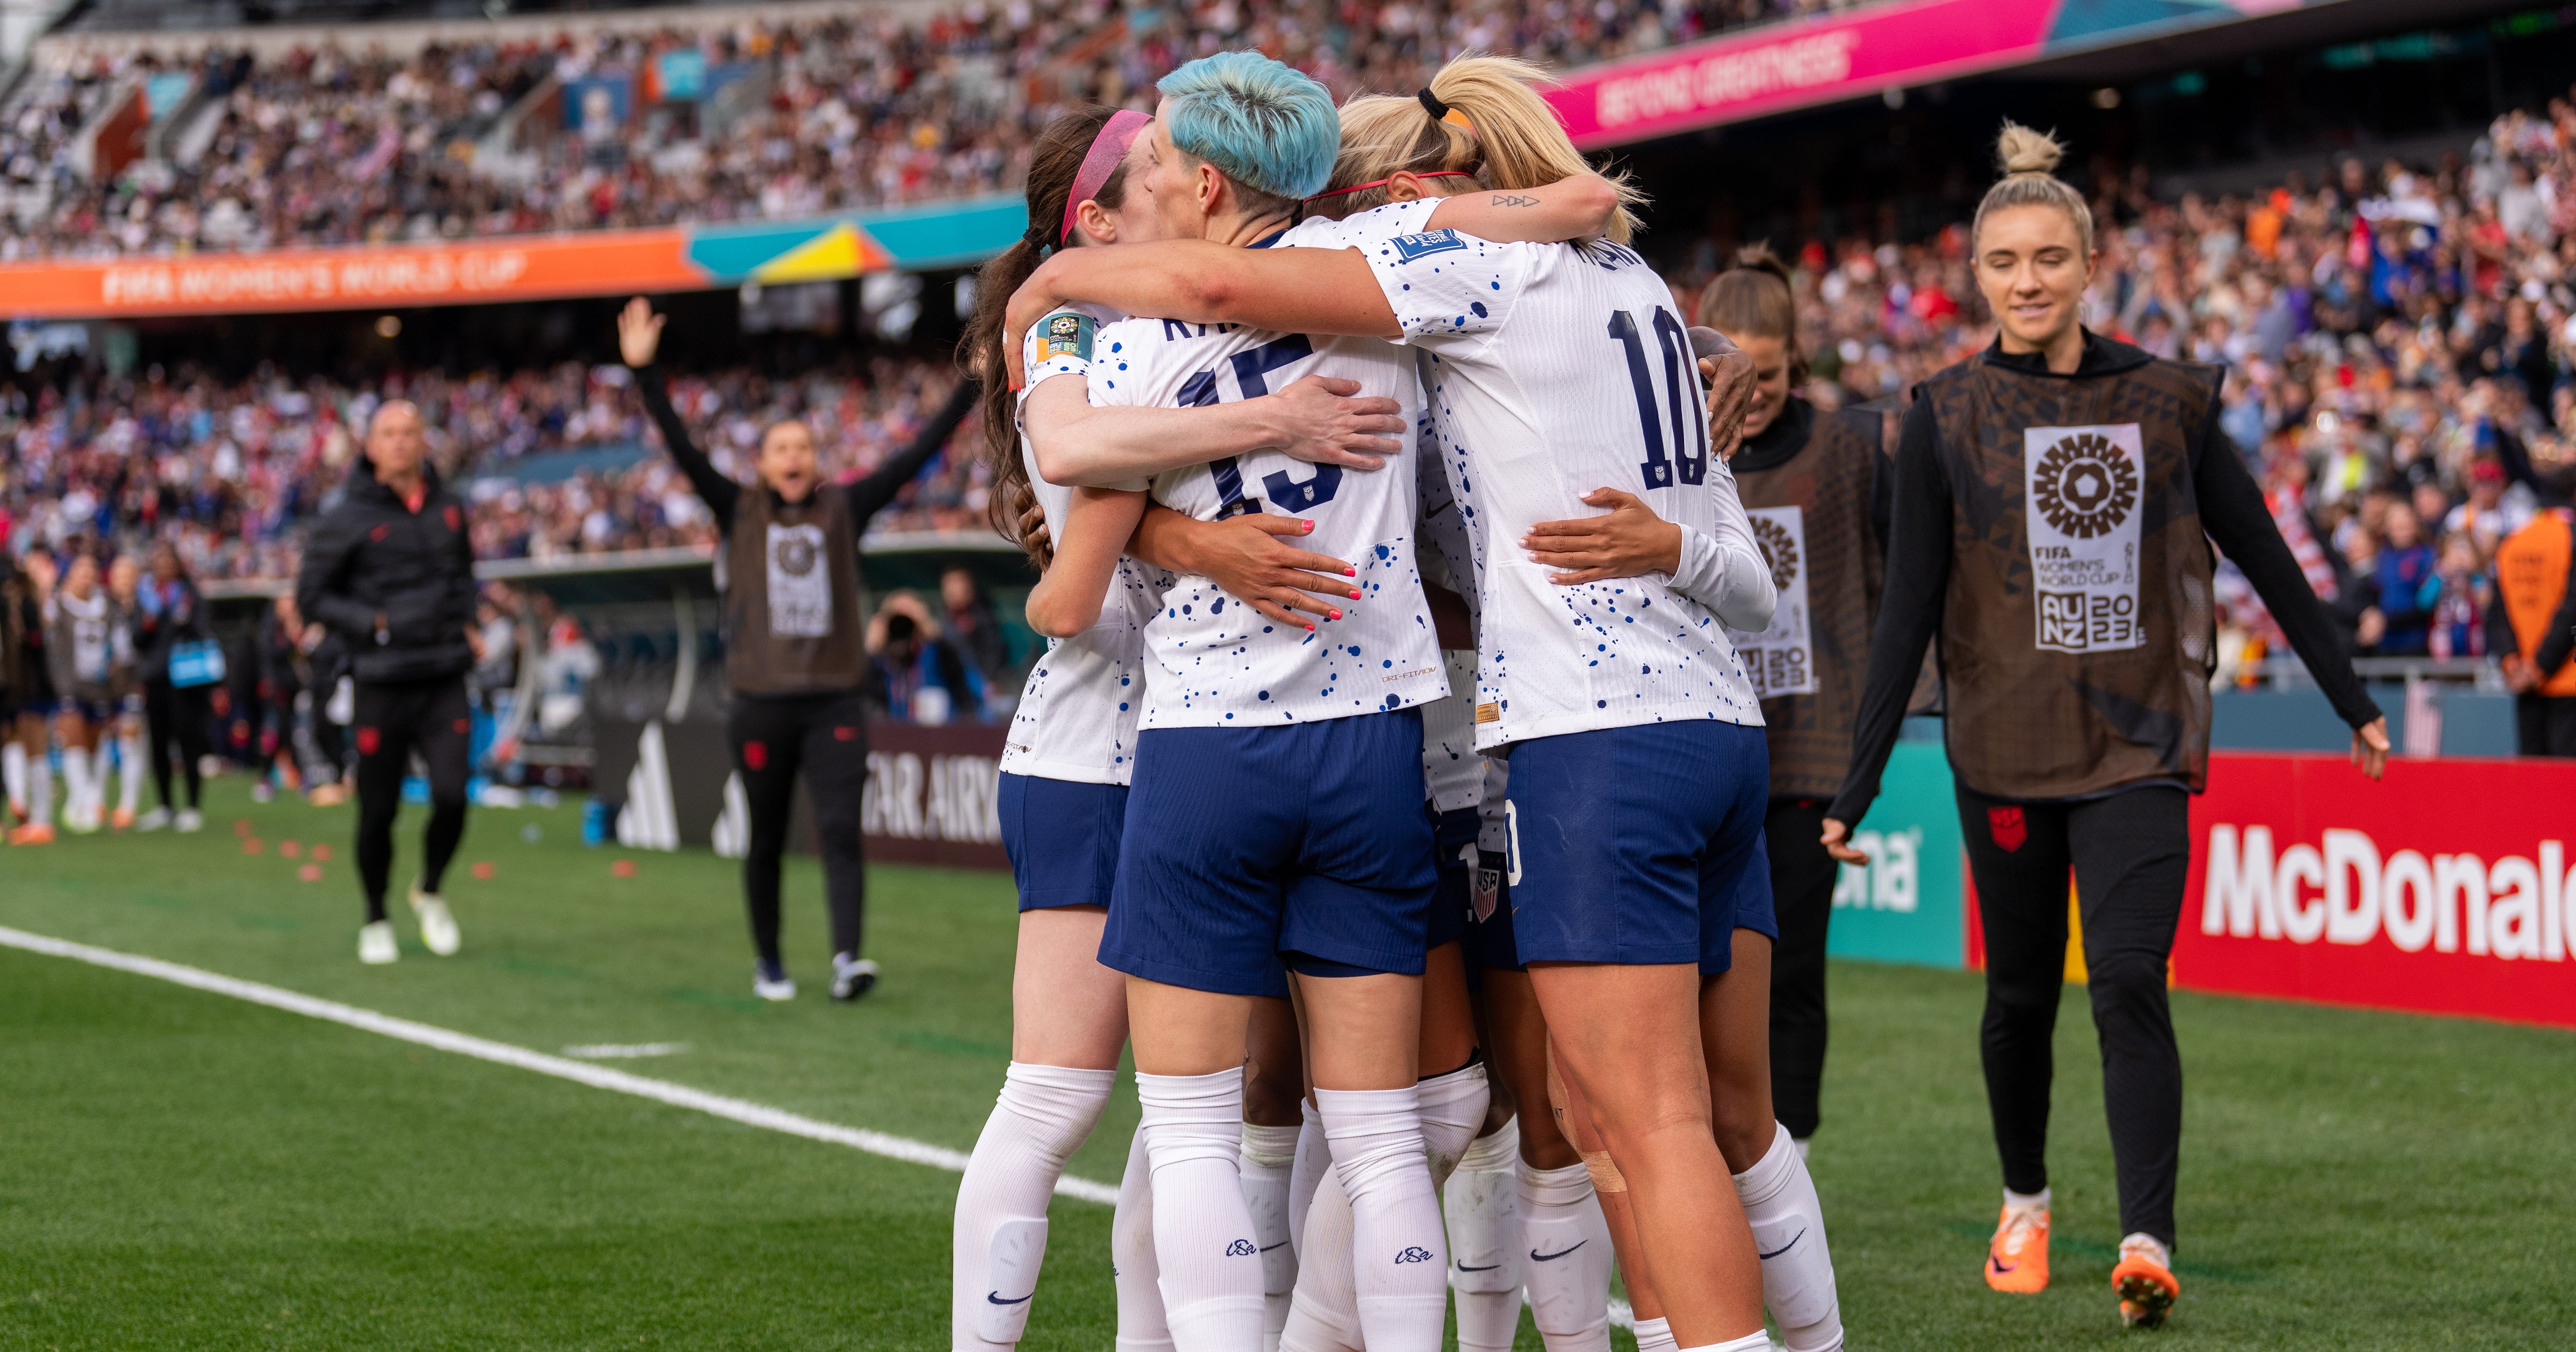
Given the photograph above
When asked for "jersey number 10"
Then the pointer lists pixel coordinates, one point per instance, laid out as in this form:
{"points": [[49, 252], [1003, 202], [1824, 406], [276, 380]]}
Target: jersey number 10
{"points": [[1251, 375], [1681, 373]]}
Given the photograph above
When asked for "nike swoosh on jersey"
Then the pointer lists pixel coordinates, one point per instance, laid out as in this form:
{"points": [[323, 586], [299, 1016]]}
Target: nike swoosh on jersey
{"points": [[1268, 1247], [996, 1298], [1793, 1243], [1536, 1256], [1462, 1267]]}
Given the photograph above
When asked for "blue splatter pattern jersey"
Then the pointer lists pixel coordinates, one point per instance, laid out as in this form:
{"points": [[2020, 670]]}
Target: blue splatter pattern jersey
{"points": [[1212, 661], [1552, 370]]}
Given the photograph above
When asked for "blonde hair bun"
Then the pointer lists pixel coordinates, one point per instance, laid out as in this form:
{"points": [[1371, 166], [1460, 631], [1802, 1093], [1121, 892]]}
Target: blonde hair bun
{"points": [[2021, 150]]}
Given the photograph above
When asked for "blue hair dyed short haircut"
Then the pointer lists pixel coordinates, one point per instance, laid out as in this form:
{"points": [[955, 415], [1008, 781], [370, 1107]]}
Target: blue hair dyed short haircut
{"points": [[1264, 125]]}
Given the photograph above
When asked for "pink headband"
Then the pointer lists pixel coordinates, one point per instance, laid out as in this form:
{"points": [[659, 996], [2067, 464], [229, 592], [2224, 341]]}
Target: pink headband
{"points": [[1107, 149]]}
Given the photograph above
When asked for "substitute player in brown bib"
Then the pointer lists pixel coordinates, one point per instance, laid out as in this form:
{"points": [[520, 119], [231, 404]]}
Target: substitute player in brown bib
{"points": [[1816, 488], [2055, 501], [795, 653]]}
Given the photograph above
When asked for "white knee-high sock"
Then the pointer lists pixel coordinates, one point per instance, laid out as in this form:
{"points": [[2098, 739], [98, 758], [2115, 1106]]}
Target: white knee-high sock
{"points": [[1314, 1160], [13, 772], [1324, 1316], [77, 787], [1268, 1154], [1788, 1223], [130, 769], [1567, 1266], [1132, 1269], [40, 790], [1453, 1109], [1656, 1335], [1210, 1270], [1481, 1202], [1044, 1114], [1399, 1258]]}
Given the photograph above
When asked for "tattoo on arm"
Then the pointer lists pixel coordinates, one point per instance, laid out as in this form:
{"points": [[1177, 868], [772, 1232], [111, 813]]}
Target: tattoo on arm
{"points": [[1514, 200]]}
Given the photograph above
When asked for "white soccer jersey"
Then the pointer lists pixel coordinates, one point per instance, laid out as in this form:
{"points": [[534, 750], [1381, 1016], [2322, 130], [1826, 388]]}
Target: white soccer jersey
{"points": [[1555, 369], [1077, 715], [1215, 662], [1453, 771]]}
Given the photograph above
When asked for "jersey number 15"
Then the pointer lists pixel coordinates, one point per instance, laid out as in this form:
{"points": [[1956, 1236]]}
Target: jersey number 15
{"points": [[1251, 375], [1681, 386]]}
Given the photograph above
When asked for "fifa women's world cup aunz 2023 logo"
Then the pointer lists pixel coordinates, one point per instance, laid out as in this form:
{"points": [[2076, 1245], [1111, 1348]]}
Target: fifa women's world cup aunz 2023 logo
{"points": [[2081, 487]]}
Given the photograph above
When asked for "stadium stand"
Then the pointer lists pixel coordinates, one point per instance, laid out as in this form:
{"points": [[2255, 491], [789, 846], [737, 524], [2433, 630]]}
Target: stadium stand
{"points": [[108, 149]]}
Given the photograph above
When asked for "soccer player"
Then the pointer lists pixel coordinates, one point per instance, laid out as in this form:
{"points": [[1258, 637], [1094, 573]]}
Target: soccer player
{"points": [[27, 674], [1633, 824], [392, 569], [124, 584], [2055, 500], [79, 646], [795, 651], [1072, 743]]}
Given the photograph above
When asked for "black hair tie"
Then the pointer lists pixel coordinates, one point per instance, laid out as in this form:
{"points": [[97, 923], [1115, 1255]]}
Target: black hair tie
{"points": [[1036, 237], [1431, 104]]}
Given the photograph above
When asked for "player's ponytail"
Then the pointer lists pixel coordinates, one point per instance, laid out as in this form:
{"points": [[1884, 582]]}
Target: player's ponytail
{"points": [[1755, 296], [2029, 161], [1518, 137], [1480, 116], [1054, 162]]}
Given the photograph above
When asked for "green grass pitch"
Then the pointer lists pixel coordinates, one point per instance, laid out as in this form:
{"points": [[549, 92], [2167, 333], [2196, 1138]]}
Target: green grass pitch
{"points": [[183, 1170]]}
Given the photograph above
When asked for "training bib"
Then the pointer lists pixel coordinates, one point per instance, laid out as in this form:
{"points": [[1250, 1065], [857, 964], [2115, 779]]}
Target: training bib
{"points": [[1781, 659], [2082, 485]]}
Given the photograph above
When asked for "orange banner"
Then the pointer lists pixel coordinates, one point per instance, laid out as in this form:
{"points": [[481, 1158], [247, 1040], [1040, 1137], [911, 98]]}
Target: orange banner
{"points": [[532, 267]]}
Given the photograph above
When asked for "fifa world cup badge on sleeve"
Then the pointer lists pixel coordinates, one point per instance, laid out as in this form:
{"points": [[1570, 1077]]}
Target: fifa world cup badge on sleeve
{"points": [[1065, 334], [2082, 507], [1781, 660]]}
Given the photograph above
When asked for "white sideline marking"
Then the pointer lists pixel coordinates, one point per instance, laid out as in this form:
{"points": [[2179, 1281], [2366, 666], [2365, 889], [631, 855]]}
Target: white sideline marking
{"points": [[608, 1051], [502, 1053]]}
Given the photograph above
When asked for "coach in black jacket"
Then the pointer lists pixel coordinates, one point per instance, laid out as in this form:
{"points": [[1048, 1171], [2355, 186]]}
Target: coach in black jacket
{"points": [[391, 572]]}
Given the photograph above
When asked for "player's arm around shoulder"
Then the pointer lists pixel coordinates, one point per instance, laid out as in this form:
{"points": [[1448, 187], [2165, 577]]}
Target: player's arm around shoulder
{"points": [[1067, 599]]}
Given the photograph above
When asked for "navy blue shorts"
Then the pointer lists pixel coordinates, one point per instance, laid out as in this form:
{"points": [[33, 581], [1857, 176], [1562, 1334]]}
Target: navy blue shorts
{"points": [[1489, 940], [1451, 833], [1245, 843], [1751, 909], [1629, 845], [1062, 838]]}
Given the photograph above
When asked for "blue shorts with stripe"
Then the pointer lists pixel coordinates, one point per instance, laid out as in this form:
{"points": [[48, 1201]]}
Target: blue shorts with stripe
{"points": [[1062, 838], [1246, 843], [1633, 845]]}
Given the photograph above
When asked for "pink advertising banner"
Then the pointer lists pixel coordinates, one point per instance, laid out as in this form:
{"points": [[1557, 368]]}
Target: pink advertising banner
{"points": [[1787, 66]]}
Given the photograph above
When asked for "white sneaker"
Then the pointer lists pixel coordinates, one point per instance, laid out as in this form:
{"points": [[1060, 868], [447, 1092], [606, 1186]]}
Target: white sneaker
{"points": [[376, 945], [770, 981], [437, 927], [81, 820], [852, 977], [191, 820], [153, 820]]}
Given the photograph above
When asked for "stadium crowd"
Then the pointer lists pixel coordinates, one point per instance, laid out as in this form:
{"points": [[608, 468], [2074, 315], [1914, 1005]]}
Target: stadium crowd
{"points": [[333, 147], [228, 472]]}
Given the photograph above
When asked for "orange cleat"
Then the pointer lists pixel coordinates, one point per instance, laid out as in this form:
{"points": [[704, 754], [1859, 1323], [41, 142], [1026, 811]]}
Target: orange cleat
{"points": [[33, 833], [2147, 1288], [2017, 1259], [123, 820]]}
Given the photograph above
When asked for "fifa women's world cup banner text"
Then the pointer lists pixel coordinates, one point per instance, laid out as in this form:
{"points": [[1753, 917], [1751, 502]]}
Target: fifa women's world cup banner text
{"points": [[2447, 889]]}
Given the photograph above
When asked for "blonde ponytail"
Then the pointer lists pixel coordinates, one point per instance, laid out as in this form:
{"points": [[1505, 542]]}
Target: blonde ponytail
{"points": [[2029, 162], [1512, 139]]}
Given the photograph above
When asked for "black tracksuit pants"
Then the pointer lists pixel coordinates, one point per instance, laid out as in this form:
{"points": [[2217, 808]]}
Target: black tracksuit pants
{"points": [[175, 721], [826, 736], [1802, 900], [2129, 852], [392, 720]]}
